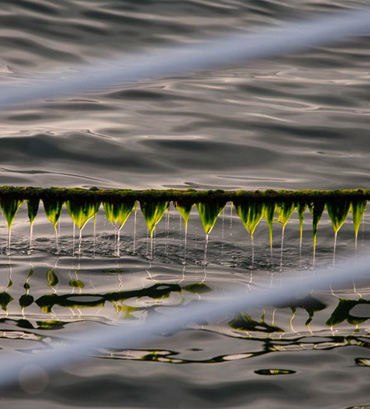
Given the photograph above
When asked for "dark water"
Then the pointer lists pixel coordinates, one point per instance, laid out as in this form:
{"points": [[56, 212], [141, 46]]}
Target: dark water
{"points": [[295, 122]]}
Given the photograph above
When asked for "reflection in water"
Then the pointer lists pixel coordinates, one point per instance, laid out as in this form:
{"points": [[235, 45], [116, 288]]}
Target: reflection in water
{"points": [[128, 301], [46, 302]]}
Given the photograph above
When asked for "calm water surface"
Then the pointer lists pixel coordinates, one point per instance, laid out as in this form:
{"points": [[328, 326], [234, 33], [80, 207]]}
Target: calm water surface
{"points": [[295, 122]]}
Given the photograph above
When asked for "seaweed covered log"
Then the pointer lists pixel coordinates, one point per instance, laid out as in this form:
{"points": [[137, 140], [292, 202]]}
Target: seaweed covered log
{"points": [[189, 196]]}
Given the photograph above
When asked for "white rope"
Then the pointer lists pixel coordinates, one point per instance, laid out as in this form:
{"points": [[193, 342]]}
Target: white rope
{"points": [[222, 52]]}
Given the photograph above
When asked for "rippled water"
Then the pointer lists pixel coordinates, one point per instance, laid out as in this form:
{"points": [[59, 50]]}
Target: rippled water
{"points": [[295, 122]]}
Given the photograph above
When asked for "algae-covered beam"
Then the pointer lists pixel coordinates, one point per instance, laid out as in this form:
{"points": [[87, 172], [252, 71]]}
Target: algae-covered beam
{"points": [[83, 204], [189, 196]]}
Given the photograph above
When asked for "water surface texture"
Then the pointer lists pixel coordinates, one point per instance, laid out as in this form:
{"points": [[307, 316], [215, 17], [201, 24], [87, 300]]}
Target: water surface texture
{"points": [[294, 122]]}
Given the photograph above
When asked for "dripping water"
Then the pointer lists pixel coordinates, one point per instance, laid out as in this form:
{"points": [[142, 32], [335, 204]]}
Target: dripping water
{"points": [[167, 230], [118, 241], [363, 232], [134, 244], [80, 242], [94, 234], [300, 244], [56, 238], [334, 247], [153, 243], [180, 233], [271, 252], [150, 255], [185, 240], [282, 247], [222, 235], [73, 238], [147, 242], [231, 220], [205, 249], [9, 239], [31, 234], [314, 254], [252, 246]]}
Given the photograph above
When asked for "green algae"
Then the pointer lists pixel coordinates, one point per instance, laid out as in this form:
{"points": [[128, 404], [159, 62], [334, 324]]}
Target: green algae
{"points": [[10, 207], [189, 195], [52, 279], [250, 213], [197, 288], [343, 312], [209, 212], [284, 212], [358, 208], [338, 212], [184, 209], [5, 300], [310, 304], [81, 211], [75, 283], [317, 209], [32, 208], [245, 322], [81, 205], [26, 299], [157, 291], [53, 210], [153, 212], [301, 208], [117, 213], [269, 215]]}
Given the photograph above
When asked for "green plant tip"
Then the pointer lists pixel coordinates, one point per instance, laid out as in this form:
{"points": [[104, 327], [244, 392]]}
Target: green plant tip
{"points": [[358, 208], [209, 212], [250, 213], [184, 209], [10, 208], [53, 210], [117, 213], [338, 212], [153, 212], [81, 211]]}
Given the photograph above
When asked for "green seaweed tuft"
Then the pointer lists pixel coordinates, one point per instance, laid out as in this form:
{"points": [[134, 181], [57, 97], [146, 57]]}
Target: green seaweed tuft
{"points": [[184, 208], [301, 208], [269, 215], [82, 210], [284, 211], [338, 212], [250, 213], [153, 212], [317, 209], [32, 208], [209, 212], [358, 208], [76, 283], [53, 210], [10, 208], [118, 212], [52, 278]]}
